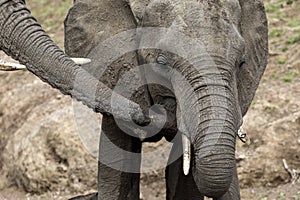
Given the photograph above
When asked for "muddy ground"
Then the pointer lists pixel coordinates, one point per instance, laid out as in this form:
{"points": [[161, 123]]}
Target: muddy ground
{"points": [[272, 123]]}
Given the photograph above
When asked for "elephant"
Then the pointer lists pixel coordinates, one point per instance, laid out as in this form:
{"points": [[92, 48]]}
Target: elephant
{"points": [[160, 68]]}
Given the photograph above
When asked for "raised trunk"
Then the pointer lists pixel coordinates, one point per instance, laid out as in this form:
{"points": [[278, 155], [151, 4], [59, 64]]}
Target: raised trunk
{"points": [[23, 39]]}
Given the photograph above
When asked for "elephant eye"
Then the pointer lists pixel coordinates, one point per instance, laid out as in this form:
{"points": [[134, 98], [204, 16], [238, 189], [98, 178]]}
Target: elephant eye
{"points": [[161, 59]]}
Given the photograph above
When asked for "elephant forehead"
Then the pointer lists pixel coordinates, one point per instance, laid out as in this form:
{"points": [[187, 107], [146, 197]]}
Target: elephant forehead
{"points": [[216, 24], [188, 13]]}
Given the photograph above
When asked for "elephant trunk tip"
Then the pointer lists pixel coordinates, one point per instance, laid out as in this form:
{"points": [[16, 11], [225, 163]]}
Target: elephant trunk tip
{"points": [[213, 185], [213, 173]]}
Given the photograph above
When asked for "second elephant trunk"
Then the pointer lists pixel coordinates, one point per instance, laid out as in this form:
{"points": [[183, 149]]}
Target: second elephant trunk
{"points": [[24, 39]]}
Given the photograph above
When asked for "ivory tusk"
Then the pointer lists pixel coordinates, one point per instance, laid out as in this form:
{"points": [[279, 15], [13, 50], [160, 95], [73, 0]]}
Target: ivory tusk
{"points": [[81, 61], [186, 147], [9, 66]]}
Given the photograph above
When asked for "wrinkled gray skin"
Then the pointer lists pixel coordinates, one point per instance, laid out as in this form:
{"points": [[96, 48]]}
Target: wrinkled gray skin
{"points": [[234, 35]]}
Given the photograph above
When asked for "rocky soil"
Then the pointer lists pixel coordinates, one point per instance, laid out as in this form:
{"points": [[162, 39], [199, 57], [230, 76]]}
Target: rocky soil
{"points": [[45, 152]]}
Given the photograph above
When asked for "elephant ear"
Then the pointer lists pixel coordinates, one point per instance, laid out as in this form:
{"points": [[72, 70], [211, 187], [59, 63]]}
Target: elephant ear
{"points": [[254, 28]]}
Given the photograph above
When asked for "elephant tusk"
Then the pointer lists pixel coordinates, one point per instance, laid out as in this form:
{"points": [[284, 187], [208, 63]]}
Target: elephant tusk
{"points": [[9, 66], [81, 61], [186, 147]]}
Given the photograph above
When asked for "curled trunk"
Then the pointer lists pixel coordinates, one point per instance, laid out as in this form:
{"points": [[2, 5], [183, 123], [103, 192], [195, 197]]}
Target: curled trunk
{"points": [[213, 117]]}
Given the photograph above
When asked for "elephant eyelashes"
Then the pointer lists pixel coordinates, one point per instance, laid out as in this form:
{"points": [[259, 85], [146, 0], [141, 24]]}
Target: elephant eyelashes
{"points": [[161, 59]]}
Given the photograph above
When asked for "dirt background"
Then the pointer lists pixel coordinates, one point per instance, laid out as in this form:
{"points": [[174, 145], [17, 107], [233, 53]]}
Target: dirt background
{"points": [[42, 156]]}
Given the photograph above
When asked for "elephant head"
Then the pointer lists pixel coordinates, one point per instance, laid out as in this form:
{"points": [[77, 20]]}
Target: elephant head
{"points": [[218, 48], [221, 63]]}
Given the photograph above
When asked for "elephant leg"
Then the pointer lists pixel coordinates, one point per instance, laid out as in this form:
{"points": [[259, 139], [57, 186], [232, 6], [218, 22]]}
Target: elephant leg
{"points": [[119, 163], [234, 191], [179, 186]]}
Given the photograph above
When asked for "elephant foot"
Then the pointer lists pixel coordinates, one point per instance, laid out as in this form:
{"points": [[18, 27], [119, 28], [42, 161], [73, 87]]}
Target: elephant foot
{"points": [[93, 196]]}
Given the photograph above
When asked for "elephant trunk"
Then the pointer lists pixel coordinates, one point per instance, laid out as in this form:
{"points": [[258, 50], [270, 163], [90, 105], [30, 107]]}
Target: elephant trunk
{"points": [[213, 128], [214, 152], [214, 148], [24, 39]]}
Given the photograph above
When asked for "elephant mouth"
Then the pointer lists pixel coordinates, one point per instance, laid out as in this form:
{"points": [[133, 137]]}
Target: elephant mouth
{"points": [[165, 104], [169, 135], [168, 132]]}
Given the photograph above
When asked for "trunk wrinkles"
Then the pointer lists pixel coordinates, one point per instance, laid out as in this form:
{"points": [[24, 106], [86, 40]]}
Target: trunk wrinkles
{"points": [[23, 38], [213, 133]]}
